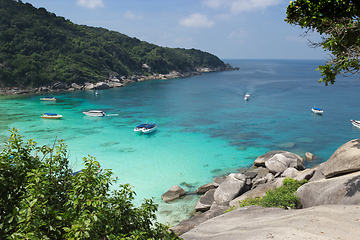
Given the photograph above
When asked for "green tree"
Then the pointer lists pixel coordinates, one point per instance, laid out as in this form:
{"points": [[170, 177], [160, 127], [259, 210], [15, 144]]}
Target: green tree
{"points": [[338, 23], [42, 198]]}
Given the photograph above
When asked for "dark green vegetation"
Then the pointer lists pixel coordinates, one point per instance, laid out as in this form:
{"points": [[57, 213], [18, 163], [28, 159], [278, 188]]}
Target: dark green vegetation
{"points": [[338, 23], [41, 198], [282, 197], [38, 48]]}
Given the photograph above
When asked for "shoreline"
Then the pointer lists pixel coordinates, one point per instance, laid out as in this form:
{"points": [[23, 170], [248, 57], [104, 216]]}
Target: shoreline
{"points": [[111, 81]]}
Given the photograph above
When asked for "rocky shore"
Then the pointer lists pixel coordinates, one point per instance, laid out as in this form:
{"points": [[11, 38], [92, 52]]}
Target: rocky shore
{"points": [[330, 201], [113, 80]]}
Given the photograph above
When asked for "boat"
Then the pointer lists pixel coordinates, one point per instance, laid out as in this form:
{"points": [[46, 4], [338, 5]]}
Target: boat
{"points": [[51, 116], [149, 128], [48, 99], [355, 123], [247, 96], [317, 110], [140, 127], [94, 113]]}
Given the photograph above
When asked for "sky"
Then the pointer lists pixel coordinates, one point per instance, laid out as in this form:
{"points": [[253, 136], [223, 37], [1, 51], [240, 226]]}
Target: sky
{"points": [[229, 29]]}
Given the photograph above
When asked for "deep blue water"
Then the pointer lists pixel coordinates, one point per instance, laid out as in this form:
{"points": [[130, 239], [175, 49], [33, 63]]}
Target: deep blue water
{"points": [[206, 129]]}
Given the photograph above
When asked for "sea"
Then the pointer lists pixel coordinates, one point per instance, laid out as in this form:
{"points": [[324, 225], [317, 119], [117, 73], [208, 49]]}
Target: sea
{"points": [[205, 127]]}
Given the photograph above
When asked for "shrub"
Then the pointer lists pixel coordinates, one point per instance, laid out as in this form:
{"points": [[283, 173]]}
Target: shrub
{"points": [[42, 198], [282, 197]]}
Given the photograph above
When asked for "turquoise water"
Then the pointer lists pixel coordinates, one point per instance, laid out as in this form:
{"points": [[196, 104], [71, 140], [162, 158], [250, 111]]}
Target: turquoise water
{"points": [[205, 128]]}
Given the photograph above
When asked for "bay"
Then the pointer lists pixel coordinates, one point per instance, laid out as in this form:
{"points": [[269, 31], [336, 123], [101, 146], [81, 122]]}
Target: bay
{"points": [[205, 128]]}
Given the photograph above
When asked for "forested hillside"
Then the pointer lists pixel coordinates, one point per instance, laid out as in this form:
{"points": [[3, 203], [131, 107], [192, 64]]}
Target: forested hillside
{"points": [[39, 48]]}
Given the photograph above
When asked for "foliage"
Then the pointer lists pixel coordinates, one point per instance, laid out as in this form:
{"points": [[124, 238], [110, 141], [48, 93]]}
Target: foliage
{"points": [[41, 198], [338, 23], [39, 48], [282, 197]]}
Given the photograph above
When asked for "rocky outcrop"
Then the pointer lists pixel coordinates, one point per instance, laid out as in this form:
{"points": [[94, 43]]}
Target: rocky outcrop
{"points": [[345, 159], [344, 190], [341, 191], [174, 193], [229, 189], [114, 80], [254, 222], [282, 161]]}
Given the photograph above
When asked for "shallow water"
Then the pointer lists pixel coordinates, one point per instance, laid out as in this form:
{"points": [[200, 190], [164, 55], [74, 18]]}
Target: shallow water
{"points": [[205, 128]]}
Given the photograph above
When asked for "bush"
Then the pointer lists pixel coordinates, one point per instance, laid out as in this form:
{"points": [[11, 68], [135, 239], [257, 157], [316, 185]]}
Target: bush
{"points": [[282, 197], [42, 198]]}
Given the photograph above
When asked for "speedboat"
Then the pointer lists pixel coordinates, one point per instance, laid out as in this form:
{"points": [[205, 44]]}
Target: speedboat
{"points": [[48, 99], [247, 96], [317, 110], [51, 116], [94, 113], [355, 123], [140, 127], [149, 128]]}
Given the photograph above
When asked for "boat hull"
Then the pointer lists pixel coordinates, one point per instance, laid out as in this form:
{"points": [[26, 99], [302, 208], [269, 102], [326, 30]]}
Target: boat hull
{"points": [[150, 130], [316, 111], [48, 99], [94, 113], [355, 123], [51, 117]]}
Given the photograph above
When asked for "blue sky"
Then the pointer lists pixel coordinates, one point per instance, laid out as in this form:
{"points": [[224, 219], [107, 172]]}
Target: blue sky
{"points": [[230, 29]]}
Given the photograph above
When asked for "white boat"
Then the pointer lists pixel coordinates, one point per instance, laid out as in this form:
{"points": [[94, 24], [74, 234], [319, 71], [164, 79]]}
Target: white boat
{"points": [[355, 123], [94, 113], [247, 96], [48, 99], [51, 116], [140, 127], [317, 110], [149, 128]]}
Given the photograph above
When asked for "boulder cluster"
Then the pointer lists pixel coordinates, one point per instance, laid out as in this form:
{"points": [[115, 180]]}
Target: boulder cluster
{"points": [[334, 182], [114, 80]]}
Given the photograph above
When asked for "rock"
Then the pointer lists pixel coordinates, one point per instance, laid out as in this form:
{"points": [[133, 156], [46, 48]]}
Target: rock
{"points": [[255, 222], [344, 160], [343, 190], [89, 86], [258, 181], [101, 85], [204, 188], [250, 174], [309, 156], [174, 192], [146, 68], [260, 161], [281, 161], [218, 180], [59, 85], [261, 171], [75, 86], [269, 177], [205, 201], [229, 189], [307, 174], [318, 175], [186, 225], [290, 172]]}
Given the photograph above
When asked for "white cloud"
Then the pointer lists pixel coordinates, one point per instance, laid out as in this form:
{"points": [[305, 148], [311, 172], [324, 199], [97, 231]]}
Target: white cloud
{"points": [[197, 20], [91, 3], [239, 35], [238, 6], [131, 16], [215, 4]]}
